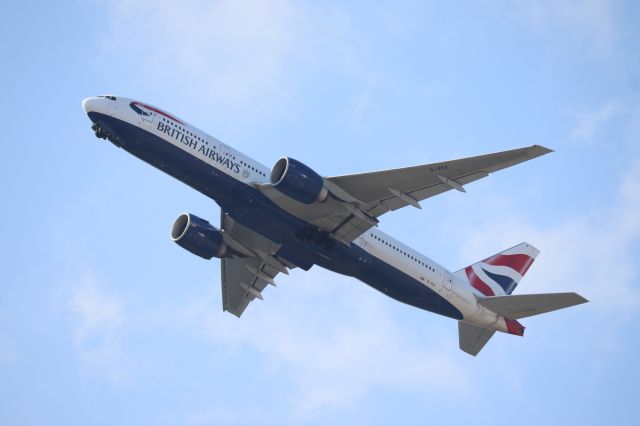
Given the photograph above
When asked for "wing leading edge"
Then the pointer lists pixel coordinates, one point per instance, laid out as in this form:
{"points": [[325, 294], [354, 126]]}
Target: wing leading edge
{"points": [[383, 190], [387, 190]]}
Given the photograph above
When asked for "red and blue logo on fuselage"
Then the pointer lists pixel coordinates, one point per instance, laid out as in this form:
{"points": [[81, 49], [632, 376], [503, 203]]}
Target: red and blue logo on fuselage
{"points": [[146, 111]]}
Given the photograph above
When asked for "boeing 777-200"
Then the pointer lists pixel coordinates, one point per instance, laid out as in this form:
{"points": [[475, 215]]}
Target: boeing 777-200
{"points": [[292, 217]]}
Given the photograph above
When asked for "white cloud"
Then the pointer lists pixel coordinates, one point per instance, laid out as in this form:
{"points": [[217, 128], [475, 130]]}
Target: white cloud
{"points": [[348, 347], [590, 20], [589, 122], [98, 317], [234, 52]]}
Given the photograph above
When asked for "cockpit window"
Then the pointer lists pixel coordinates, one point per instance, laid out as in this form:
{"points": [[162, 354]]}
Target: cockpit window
{"points": [[111, 98]]}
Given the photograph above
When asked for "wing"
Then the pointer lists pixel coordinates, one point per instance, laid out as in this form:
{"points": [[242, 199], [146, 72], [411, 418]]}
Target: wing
{"points": [[387, 190], [358, 200], [245, 277]]}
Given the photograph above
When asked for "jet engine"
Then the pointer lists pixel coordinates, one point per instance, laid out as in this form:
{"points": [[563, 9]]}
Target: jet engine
{"points": [[198, 236], [298, 181]]}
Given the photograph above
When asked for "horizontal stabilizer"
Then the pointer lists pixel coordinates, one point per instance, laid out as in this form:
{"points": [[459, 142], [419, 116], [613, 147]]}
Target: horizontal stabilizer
{"points": [[527, 305], [472, 338]]}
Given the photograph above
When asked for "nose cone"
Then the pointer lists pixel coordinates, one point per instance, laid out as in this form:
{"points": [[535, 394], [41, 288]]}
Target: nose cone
{"points": [[90, 104]]}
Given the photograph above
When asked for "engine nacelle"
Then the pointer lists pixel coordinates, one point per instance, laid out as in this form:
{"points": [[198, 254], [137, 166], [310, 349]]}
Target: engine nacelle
{"points": [[298, 181], [198, 236]]}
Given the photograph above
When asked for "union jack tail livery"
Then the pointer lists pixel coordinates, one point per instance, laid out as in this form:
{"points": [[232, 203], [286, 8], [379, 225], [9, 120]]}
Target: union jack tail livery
{"points": [[500, 274]]}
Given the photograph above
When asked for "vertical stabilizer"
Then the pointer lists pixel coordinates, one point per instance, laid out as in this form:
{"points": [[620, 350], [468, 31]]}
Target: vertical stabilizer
{"points": [[499, 274]]}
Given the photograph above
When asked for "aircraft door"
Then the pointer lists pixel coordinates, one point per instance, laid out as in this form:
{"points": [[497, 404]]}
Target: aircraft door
{"points": [[361, 241], [448, 282], [149, 119]]}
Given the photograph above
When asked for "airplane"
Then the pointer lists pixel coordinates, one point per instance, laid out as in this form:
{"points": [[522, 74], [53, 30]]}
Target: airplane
{"points": [[289, 216]]}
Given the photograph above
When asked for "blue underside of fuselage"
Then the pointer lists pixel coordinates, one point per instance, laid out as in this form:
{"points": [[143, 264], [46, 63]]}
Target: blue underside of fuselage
{"points": [[303, 244]]}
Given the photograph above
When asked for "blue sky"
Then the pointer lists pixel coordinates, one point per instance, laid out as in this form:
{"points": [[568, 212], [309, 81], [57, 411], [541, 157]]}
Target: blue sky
{"points": [[103, 320]]}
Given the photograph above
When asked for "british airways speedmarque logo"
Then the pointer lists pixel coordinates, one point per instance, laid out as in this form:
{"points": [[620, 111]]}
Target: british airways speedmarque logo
{"points": [[146, 111], [134, 106]]}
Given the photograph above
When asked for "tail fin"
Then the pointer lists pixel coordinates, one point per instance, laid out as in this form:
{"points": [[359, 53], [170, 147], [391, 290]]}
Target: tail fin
{"points": [[499, 274]]}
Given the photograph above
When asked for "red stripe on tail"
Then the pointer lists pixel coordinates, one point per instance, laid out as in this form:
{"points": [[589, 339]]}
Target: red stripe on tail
{"points": [[477, 283], [519, 262]]}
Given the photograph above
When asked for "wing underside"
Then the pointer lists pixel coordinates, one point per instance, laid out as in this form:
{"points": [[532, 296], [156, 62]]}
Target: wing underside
{"points": [[245, 277], [388, 190], [243, 280]]}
